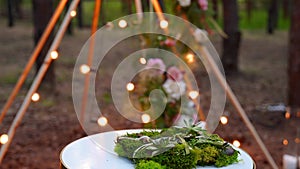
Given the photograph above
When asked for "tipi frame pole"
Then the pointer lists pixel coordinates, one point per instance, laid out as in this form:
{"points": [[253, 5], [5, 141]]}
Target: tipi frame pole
{"points": [[33, 57], [90, 58], [38, 79]]}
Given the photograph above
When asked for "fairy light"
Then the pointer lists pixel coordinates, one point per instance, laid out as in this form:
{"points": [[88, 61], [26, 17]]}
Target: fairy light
{"points": [[287, 115], [190, 58], [143, 61], [54, 54], [236, 143], [102, 121], [163, 24], [146, 118], [285, 142], [130, 86], [84, 69], [297, 140], [223, 120], [4, 139], [193, 94], [73, 13], [35, 97], [122, 23]]}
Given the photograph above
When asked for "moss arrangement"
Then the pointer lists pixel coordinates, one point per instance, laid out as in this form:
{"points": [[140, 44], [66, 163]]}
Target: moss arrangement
{"points": [[176, 148]]}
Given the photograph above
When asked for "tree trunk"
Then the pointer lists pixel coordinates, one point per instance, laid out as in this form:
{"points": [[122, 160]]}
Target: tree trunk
{"points": [[42, 12], [294, 57], [249, 7], [273, 16], [10, 13], [232, 43], [286, 8], [80, 15], [126, 7]]}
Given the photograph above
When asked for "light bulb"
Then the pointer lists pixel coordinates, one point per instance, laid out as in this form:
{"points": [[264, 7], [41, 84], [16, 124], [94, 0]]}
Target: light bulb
{"points": [[143, 61], [163, 24], [84, 69], [122, 23], [102, 121], [35, 97], [193, 94], [285, 142], [54, 54], [73, 13], [236, 143], [146, 118], [190, 58], [4, 138], [223, 120], [130, 86]]}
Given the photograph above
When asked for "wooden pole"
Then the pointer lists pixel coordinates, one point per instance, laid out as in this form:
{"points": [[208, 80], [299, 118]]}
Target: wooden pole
{"points": [[37, 80], [139, 10], [90, 58], [33, 57]]}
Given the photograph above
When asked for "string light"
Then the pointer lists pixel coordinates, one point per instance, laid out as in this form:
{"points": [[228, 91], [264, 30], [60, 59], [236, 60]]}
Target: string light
{"points": [[4, 139], [163, 24], [84, 69], [287, 115], [54, 54], [223, 120], [146, 118], [73, 13], [130, 86], [35, 97], [236, 143], [122, 23], [285, 142], [193, 94], [143, 61], [190, 58], [102, 121], [297, 140]]}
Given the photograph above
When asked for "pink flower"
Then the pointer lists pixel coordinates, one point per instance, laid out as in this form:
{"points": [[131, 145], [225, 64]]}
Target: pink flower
{"points": [[203, 4], [156, 63], [174, 73], [169, 42]]}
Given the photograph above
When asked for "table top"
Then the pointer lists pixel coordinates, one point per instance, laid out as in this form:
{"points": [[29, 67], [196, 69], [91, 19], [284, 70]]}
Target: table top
{"points": [[97, 151]]}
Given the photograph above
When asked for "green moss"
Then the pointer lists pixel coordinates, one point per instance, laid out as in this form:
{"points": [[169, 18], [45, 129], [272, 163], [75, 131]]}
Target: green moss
{"points": [[224, 160], [177, 158], [126, 148], [145, 164], [207, 154]]}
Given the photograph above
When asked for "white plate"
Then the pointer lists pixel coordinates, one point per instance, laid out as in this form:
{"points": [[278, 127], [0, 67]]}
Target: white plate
{"points": [[97, 152]]}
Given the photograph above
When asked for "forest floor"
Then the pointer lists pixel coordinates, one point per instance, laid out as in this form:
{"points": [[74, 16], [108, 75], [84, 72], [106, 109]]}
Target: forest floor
{"points": [[50, 124]]}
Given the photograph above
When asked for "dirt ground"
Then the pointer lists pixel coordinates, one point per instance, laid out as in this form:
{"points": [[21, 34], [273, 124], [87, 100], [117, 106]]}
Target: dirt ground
{"points": [[51, 123]]}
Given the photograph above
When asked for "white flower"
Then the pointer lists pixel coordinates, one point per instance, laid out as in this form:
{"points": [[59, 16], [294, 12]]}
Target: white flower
{"points": [[184, 3], [174, 89], [200, 35]]}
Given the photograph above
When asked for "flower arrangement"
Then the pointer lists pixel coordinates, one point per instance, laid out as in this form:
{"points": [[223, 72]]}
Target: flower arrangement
{"points": [[198, 13], [179, 108]]}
